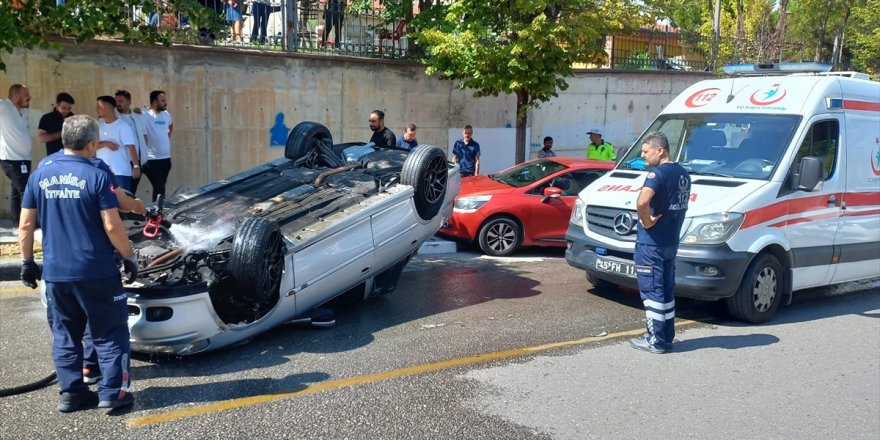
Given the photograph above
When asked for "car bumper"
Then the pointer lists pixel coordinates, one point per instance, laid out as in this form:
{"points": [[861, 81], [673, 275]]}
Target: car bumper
{"points": [[462, 225], [692, 265], [177, 325]]}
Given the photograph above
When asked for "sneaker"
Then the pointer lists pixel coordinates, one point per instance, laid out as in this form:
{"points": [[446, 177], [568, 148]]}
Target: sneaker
{"points": [[126, 400], [71, 402], [91, 376], [642, 344], [667, 346]]}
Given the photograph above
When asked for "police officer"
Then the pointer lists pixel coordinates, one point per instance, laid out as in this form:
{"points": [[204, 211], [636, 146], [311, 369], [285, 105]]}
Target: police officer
{"points": [[599, 149], [661, 205], [77, 209]]}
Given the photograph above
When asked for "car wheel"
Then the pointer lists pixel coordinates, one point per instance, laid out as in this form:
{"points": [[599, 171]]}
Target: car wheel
{"points": [[304, 137], [425, 169], [760, 293], [257, 258], [500, 236]]}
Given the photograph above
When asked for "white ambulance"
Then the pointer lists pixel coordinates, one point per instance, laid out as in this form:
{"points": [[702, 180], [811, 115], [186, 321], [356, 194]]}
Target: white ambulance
{"points": [[785, 193]]}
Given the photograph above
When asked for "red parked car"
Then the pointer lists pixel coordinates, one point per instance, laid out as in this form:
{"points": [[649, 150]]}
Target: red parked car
{"points": [[527, 204]]}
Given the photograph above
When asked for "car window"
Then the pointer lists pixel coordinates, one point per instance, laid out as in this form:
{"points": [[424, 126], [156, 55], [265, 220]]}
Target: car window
{"points": [[529, 172], [571, 183], [821, 141]]}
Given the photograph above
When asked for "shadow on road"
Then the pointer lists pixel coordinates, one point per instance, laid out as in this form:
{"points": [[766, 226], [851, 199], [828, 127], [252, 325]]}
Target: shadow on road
{"points": [[156, 397], [725, 342], [450, 284]]}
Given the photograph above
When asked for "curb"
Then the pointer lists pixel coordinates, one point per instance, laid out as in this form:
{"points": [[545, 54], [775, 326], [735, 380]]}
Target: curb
{"points": [[10, 269]]}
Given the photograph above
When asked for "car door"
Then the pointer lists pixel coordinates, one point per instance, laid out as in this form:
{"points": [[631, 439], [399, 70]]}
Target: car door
{"points": [[814, 217], [548, 217]]}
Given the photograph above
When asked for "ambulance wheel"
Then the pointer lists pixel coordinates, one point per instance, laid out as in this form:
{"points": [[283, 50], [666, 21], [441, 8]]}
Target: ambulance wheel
{"points": [[500, 236], [601, 284], [760, 293]]}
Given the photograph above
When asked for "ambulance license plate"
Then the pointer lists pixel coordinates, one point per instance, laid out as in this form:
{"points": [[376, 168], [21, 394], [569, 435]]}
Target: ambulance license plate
{"points": [[616, 266]]}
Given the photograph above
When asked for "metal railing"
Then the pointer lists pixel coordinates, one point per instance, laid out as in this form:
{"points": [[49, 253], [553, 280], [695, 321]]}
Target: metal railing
{"points": [[303, 28]]}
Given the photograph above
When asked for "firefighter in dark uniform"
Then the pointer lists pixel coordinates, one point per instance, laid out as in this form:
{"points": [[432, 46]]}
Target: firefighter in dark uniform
{"points": [[77, 209], [662, 204]]}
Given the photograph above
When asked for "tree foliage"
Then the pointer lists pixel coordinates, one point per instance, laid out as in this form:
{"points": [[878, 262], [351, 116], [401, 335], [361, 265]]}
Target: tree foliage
{"points": [[842, 32], [520, 47], [26, 24]]}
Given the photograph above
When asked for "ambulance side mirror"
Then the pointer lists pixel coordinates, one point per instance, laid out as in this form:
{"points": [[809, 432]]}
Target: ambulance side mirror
{"points": [[809, 175]]}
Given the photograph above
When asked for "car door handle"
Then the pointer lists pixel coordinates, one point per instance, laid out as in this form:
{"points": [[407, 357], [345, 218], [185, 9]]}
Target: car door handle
{"points": [[365, 270], [832, 201]]}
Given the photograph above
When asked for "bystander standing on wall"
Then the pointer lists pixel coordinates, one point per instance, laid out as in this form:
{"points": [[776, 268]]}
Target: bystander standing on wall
{"points": [[408, 140], [260, 11], [234, 18], [135, 122], [117, 143], [333, 16], [159, 128], [49, 130], [599, 149], [83, 287], [15, 144], [382, 137], [466, 153], [547, 151]]}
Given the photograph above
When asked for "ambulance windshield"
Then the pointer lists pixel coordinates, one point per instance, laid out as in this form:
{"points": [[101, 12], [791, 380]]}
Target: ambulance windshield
{"points": [[728, 144]]}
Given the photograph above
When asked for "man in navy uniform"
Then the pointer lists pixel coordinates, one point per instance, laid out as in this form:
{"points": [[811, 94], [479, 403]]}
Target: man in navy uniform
{"points": [[662, 204], [466, 153], [77, 209]]}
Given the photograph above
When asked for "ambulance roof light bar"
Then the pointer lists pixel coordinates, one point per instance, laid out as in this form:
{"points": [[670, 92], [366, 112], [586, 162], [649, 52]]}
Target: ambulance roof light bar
{"points": [[760, 69]]}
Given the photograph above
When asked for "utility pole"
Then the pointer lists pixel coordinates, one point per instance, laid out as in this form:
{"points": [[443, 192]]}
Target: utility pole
{"points": [[716, 27]]}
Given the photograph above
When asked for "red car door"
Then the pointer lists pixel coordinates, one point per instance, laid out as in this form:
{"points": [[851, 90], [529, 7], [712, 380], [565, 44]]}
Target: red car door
{"points": [[548, 217]]}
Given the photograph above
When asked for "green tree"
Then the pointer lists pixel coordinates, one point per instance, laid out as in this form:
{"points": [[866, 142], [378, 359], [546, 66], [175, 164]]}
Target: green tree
{"points": [[866, 37], [520, 47], [26, 24]]}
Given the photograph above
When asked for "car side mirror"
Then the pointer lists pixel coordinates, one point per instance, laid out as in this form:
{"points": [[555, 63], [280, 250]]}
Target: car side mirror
{"points": [[809, 175], [551, 192]]}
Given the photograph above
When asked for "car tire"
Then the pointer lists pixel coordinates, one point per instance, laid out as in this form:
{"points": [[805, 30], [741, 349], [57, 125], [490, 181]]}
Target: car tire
{"points": [[257, 258], [760, 293], [426, 170], [303, 138], [601, 284], [500, 236]]}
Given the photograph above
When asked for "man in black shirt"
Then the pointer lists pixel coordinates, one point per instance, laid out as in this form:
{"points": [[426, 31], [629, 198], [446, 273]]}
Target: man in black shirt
{"points": [[49, 130], [382, 136]]}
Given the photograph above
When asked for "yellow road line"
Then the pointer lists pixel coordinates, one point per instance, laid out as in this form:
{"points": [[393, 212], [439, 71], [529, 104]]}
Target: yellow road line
{"points": [[376, 377], [22, 289]]}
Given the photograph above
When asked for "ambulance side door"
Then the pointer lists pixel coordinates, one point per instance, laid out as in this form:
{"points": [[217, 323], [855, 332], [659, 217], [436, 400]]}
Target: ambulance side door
{"points": [[814, 216]]}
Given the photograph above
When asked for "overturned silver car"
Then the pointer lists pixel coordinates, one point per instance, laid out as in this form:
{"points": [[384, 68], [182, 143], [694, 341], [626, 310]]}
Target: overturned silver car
{"points": [[237, 257]]}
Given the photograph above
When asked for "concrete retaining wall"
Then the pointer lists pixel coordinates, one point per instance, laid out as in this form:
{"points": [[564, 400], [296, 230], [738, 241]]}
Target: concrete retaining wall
{"points": [[225, 101]]}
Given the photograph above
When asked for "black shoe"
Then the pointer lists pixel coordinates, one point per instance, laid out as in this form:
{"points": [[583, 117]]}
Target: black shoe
{"points": [[71, 402], [126, 400], [642, 344], [667, 346]]}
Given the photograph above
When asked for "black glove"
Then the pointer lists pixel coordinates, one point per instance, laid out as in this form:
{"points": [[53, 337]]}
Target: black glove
{"points": [[30, 273], [129, 267]]}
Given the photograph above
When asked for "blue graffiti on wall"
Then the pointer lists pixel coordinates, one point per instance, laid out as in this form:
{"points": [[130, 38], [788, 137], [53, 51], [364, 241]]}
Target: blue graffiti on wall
{"points": [[278, 132]]}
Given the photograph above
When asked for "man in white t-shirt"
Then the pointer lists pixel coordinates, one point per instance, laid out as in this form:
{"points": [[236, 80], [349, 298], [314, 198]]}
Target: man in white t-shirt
{"points": [[117, 143], [159, 127], [135, 121], [15, 144]]}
